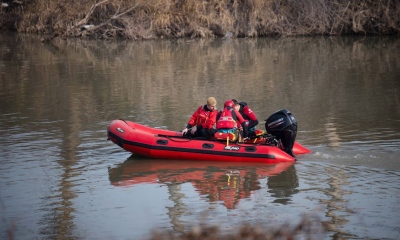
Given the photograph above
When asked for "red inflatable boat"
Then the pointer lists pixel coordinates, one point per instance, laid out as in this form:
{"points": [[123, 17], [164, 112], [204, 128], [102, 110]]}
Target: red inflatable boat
{"points": [[166, 144]]}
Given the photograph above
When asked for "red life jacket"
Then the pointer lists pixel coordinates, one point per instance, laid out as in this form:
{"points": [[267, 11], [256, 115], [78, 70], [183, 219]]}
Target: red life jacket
{"points": [[203, 117], [226, 120]]}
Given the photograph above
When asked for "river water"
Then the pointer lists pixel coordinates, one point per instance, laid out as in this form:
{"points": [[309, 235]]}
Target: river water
{"points": [[61, 179]]}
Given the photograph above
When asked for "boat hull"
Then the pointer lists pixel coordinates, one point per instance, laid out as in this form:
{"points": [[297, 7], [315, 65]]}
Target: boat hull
{"points": [[166, 144]]}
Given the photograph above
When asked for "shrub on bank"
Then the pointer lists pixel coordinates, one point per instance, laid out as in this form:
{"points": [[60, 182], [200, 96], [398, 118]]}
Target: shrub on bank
{"points": [[308, 228], [151, 19]]}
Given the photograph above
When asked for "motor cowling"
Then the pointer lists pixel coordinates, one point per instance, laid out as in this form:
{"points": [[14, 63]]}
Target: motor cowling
{"points": [[283, 126]]}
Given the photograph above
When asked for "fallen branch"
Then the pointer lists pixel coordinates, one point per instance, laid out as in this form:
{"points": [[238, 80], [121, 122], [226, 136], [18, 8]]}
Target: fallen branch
{"points": [[85, 20], [116, 16]]}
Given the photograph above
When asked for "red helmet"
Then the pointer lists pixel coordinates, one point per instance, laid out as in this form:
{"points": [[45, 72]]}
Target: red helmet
{"points": [[229, 103]]}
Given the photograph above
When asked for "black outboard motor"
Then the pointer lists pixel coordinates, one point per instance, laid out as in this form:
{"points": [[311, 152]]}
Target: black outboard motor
{"points": [[283, 126]]}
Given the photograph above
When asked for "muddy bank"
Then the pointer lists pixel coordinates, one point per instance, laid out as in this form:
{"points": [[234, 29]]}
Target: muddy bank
{"points": [[152, 19]]}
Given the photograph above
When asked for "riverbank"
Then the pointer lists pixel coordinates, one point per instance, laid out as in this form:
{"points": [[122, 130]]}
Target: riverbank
{"points": [[141, 19]]}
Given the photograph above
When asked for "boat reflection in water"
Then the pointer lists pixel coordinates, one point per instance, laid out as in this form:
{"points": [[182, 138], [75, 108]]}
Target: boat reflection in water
{"points": [[228, 182]]}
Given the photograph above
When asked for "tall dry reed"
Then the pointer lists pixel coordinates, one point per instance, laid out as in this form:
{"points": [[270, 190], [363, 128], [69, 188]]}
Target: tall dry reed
{"points": [[151, 19]]}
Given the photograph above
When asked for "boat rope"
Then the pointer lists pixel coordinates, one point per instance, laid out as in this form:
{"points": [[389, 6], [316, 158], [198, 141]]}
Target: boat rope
{"points": [[174, 138]]}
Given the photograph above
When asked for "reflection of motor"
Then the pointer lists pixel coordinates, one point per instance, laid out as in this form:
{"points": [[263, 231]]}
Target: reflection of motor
{"points": [[283, 126], [284, 185]]}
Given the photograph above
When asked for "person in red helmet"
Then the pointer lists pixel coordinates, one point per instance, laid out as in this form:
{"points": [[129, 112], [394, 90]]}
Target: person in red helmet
{"points": [[229, 120], [248, 115], [201, 124]]}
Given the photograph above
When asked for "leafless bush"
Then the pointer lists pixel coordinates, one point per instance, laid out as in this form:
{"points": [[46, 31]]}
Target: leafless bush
{"points": [[309, 227]]}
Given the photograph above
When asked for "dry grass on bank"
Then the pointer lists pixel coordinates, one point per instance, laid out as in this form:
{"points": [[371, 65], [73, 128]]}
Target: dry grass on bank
{"points": [[308, 228], [150, 19]]}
